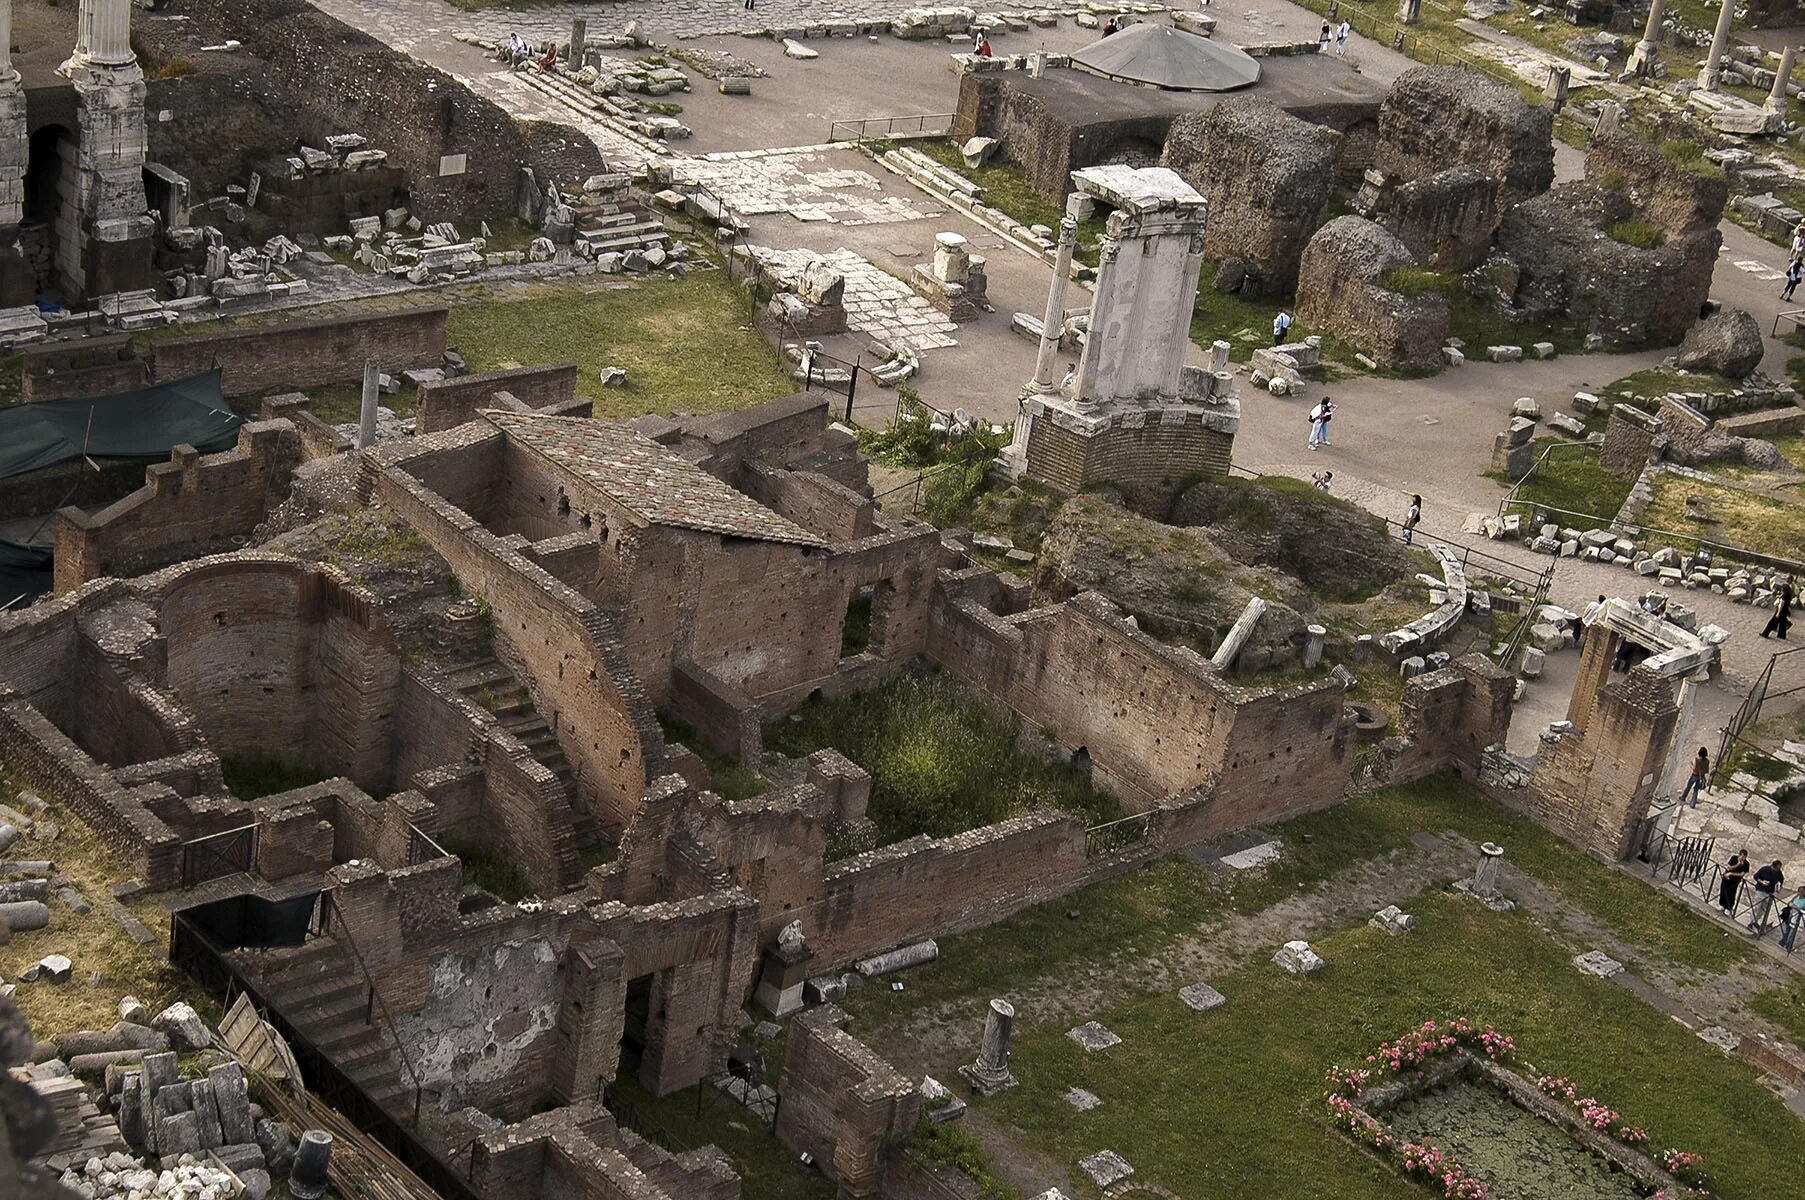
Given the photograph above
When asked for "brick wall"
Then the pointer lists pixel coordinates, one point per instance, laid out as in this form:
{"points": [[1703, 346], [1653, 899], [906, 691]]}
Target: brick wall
{"points": [[562, 646], [823, 506], [88, 367], [1688, 431], [451, 402], [189, 506], [842, 1104], [1148, 454], [1629, 435], [1156, 721], [306, 354], [1447, 719]]}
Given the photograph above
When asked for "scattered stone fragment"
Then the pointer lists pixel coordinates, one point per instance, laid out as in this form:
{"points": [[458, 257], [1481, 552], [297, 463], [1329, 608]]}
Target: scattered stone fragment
{"points": [[1297, 958], [1254, 856], [1082, 1100], [1597, 962], [1202, 997], [184, 1028], [1093, 1035], [1105, 1166], [1393, 920]]}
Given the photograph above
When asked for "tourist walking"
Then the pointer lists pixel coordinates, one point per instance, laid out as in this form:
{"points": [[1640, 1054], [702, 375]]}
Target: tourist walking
{"points": [[1412, 519], [1281, 325], [1795, 270], [1791, 917], [751, 4], [1734, 874], [1320, 416], [1341, 32], [1768, 881], [1326, 34], [1781, 621], [1798, 240], [1695, 782]]}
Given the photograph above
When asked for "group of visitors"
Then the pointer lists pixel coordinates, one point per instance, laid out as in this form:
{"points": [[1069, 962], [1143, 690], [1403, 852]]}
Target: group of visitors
{"points": [[1337, 34], [980, 44], [518, 52], [1769, 881], [1795, 266]]}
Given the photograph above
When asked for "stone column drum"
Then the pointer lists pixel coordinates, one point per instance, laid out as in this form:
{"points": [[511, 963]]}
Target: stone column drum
{"points": [[990, 1074], [1710, 74], [1485, 874]]}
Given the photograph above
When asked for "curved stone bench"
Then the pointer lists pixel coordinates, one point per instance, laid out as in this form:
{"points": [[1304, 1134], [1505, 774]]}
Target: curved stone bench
{"points": [[1433, 625]]}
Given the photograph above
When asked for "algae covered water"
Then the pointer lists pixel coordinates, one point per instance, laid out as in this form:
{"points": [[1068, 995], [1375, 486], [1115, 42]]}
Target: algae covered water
{"points": [[1521, 1156]]}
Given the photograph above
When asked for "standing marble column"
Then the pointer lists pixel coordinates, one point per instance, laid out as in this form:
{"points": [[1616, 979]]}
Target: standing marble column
{"points": [[1712, 71], [366, 412], [1643, 57], [1485, 874], [1050, 327], [990, 1074], [1776, 99]]}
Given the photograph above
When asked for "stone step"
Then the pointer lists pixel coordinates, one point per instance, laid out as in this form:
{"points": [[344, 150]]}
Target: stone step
{"points": [[478, 675]]}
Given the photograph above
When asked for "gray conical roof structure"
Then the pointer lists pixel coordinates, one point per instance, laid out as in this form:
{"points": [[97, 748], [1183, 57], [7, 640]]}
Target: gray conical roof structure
{"points": [[1163, 57]]}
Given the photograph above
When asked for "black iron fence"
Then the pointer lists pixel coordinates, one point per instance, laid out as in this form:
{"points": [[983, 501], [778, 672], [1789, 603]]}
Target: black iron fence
{"points": [[1747, 713], [1114, 835], [194, 950], [218, 855]]}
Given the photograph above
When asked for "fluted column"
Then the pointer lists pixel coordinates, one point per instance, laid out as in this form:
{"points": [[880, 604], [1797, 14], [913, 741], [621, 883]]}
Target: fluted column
{"points": [[1055, 317], [1712, 71], [1776, 99], [6, 42], [1642, 59]]}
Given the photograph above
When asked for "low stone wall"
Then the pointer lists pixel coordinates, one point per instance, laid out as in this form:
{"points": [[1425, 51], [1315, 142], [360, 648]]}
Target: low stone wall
{"points": [[187, 507], [450, 402], [85, 368], [1341, 288], [306, 354], [842, 1104]]}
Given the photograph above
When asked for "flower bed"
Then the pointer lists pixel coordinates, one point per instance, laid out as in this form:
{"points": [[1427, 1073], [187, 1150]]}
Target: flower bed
{"points": [[1439, 1051]]}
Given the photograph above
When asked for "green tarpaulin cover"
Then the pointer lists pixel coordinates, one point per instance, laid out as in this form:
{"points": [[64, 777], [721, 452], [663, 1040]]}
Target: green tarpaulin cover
{"points": [[25, 571], [147, 423]]}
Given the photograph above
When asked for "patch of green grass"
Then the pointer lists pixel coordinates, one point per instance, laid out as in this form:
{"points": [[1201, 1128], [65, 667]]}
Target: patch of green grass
{"points": [[1221, 316], [1762, 524], [1229, 1102], [252, 778], [663, 108], [1689, 154], [766, 1169], [729, 778], [953, 1145], [1635, 233], [1414, 281], [686, 343], [12, 379], [1784, 1005], [1008, 187], [1134, 915], [942, 757], [371, 536], [1572, 481], [493, 872]]}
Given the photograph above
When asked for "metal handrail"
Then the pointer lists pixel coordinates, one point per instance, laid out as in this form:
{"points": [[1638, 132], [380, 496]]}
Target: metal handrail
{"points": [[418, 837], [1748, 712], [1113, 835], [1550, 448], [375, 1000], [860, 126]]}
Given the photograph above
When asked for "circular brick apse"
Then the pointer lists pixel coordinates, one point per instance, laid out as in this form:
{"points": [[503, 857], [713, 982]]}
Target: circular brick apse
{"points": [[279, 660]]}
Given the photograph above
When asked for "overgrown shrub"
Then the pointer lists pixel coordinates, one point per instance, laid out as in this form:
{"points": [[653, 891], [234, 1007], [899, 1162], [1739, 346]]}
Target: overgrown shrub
{"points": [[943, 759]]}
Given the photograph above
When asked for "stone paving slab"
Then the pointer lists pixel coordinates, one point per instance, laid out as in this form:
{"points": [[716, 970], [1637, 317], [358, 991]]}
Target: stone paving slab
{"points": [[1094, 1035], [1597, 962], [1202, 997], [1254, 856], [877, 302], [1106, 1167], [801, 183]]}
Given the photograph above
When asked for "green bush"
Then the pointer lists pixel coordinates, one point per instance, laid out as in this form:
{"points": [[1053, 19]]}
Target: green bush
{"points": [[1689, 154], [496, 874], [957, 1147], [943, 758], [252, 777], [1636, 233]]}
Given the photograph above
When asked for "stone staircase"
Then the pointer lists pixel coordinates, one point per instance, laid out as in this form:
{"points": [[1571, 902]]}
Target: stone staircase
{"points": [[492, 687], [323, 993]]}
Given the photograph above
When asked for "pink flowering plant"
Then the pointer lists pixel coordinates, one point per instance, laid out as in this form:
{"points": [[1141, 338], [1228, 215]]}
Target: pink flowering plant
{"points": [[1408, 1059]]}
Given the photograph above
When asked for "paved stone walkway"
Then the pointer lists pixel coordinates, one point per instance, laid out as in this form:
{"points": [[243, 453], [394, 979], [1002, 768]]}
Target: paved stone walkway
{"points": [[799, 182], [877, 302], [405, 23]]}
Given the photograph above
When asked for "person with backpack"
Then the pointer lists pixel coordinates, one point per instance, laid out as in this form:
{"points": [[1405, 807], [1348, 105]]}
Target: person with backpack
{"points": [[1320, 416], [1412, 518]]}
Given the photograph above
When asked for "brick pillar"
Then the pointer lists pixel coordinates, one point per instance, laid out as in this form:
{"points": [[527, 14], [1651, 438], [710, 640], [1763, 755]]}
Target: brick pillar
{"points": [[1595, 655], [589, 1020]]}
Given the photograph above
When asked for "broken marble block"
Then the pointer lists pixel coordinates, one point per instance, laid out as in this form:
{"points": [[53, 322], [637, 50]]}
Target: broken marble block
{"points": [[1393, 920], [1297, 958]]}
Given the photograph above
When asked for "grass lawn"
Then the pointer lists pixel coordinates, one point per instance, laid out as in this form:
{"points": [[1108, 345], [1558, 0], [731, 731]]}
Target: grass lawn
{"points": [[1784, 1005], [767, 1171], [94, 942], [1745, 519], [943, 759], [1132, 916], [1572, 481], [1228, 1103], [686, 343], [731, 780]]}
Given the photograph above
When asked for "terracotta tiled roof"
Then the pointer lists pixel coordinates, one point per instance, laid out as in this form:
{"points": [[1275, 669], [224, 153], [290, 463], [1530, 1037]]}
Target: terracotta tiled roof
{"points": [[647, 479]]}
